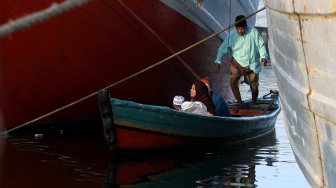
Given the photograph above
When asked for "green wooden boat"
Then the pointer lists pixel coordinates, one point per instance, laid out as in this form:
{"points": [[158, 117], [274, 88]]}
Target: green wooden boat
{"points": [[132, 126]]}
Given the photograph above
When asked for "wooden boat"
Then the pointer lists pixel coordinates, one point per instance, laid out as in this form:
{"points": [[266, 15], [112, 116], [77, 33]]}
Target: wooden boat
{"points": [[133, 126]]}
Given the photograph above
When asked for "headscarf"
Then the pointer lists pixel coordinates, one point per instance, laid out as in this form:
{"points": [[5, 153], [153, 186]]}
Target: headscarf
{"points": [[202, 95], [208, 83]]}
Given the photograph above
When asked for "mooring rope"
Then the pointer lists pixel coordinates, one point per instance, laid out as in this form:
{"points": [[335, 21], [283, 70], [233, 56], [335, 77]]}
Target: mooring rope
{"points": [[131, 76], [158, 38], [36, 17]]}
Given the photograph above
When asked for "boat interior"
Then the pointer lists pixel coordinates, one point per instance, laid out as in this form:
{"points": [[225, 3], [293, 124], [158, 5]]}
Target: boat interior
{"points": [[248, 109]]}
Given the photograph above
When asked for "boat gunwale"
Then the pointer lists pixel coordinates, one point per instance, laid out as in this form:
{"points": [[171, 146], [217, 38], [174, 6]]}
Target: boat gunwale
{"points": [[170, 111]]}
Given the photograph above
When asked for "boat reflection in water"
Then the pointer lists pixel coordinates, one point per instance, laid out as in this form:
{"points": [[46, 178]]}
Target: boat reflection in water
{"points": [[223, 166], [85, 161]]}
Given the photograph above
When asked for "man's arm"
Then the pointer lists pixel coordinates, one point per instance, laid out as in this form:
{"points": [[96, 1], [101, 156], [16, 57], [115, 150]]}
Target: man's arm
{"points": [[221, 52], [261, 47]]}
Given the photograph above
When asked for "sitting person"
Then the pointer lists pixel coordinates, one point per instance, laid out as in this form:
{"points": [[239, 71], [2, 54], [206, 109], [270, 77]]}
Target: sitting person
{"points": [[200, 102], [186, 106], [177, 102], [221, 107]]}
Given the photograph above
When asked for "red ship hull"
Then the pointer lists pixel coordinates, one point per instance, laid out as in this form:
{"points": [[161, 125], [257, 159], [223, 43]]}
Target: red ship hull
{"points": [[65, 58]]}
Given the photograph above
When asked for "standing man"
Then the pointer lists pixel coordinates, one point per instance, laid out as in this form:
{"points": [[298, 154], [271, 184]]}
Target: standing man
{"points": [[248, 50]]}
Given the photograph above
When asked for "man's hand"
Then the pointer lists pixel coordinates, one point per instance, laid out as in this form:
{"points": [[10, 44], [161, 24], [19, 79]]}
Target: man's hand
{"points": [[264, 61], [217, 67]]}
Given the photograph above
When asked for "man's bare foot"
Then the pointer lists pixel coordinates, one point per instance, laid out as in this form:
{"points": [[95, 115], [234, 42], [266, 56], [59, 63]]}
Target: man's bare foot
{"points": [[237, 108]]}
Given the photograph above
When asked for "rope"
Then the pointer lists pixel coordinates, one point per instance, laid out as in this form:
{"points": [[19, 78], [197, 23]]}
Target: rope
{"points": [[129, 77], [34, 18], [158, 38]]}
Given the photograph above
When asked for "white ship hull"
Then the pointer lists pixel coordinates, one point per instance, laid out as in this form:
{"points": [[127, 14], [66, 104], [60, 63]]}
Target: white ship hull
{"points": [[214, 15], [302, 47]]}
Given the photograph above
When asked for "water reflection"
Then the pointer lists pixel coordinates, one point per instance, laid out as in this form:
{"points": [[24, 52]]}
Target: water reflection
{"points": [[229, 166], [235, 176], [70, 161], [51, 162]]}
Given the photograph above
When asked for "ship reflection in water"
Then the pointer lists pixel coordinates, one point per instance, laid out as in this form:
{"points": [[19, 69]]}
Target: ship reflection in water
{"points": [[235, 176], [65, 159]]}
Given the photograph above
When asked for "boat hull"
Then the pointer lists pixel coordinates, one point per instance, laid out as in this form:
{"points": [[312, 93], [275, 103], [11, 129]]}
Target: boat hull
{"points": [[142, 140], [302, 48]]}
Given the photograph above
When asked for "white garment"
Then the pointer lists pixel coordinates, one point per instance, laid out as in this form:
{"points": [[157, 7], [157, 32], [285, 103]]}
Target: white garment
{"points": [[196, 107]]}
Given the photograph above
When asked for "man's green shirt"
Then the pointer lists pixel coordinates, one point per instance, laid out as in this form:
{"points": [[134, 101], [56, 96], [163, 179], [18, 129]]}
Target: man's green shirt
{"points": [[247, 50]]}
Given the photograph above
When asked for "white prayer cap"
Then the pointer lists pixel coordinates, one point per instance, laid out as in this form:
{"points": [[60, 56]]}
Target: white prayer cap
{"points": [[178, 100]]}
